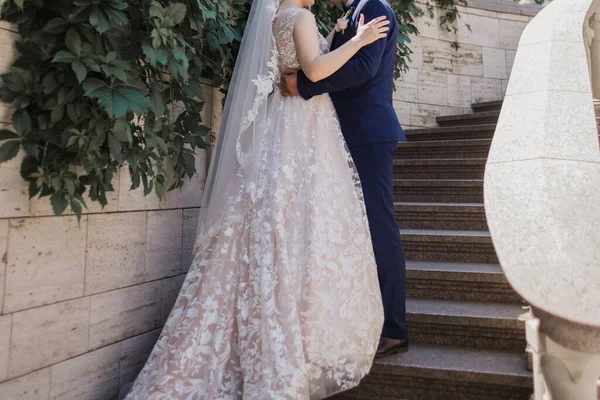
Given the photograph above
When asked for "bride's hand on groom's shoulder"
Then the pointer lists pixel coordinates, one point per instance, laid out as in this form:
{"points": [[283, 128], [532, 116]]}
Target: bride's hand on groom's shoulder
{"points": [[288, 84], [372, 31]]}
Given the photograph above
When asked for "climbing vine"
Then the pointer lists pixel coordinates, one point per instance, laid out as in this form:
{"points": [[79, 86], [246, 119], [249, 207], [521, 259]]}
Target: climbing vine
{"points": [[103, 83]]}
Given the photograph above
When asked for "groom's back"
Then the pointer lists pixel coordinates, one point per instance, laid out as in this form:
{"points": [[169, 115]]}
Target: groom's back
{"points": [[366, 110]]}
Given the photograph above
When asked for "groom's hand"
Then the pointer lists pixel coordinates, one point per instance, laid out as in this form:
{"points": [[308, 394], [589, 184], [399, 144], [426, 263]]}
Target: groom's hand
{"points": [[289, 83]]}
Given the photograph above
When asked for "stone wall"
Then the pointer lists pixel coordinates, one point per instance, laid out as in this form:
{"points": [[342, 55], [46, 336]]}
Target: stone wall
{"points": [[451, 71], [82, 305]]}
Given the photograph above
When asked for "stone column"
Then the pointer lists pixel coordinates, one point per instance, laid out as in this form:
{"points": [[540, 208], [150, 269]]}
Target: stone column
{"points": [[559, 372], [595, 55]]}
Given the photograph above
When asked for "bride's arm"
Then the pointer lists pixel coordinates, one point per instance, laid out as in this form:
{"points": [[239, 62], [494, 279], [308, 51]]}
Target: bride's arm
{"points": [[316, 66]]}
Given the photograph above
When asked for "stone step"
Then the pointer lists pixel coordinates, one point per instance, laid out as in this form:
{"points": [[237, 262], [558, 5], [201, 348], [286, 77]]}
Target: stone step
{"points": [[453, 168], [451, 246], [485, 131], [445, 149], [439, 190], [443, 373], [459, 282], [460, 216], [485, 117], [487, 106], [466, 324]]}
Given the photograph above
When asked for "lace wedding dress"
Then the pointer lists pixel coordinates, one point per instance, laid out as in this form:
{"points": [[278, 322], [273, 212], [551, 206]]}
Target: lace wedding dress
{"points": [[282, 300]]}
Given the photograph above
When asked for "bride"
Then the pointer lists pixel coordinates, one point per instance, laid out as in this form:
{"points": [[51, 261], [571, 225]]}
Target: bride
{"points": [[282, 299]]}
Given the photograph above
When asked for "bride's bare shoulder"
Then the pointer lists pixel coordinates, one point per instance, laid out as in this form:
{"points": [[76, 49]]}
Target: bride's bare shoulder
{"points": [[305, 17]]}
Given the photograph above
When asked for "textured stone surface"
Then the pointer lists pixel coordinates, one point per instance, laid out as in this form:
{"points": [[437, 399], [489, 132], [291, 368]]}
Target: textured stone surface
{"points": [[115, 251], [468, 60], [5, 327], [403, 111], [451, 133], [163, 244], [459, 282], [49, 334], [3, 257], [544, 131], [92, 376], [35, 386], [484, 89], [190, 195], [424, 115], [452, 246], [443, 216], [433, 88], [406, 88], [459, 91], [437, 55], [46, 261], [453, 168], [434, 149], [7, 49], [14, 193], [170, 290], [494, 63], [190, 227], [487, 30], [124, 313], [134, 352], [134, 200], [535, 194], [465, 324], [510, 33]]}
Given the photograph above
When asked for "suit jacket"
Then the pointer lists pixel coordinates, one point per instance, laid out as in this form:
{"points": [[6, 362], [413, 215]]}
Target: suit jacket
{"points": [[362, 90]]}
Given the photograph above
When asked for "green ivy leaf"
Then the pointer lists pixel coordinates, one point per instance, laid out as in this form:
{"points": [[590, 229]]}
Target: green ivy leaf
{"points": [[9, 150], [122, 131], [157, 103], [79, 69], [31, 149], [76, 207], [19, 3], [21, 122], [64, 57], [157, 57], [56, 26], [73, 42], [6, 134], [116, 99], [177, 12], [116, 149], [156, 141], [99, 20], [59, 202]]}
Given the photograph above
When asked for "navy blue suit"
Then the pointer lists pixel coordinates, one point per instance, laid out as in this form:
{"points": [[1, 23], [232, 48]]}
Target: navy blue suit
{"points": [[362, 94]]}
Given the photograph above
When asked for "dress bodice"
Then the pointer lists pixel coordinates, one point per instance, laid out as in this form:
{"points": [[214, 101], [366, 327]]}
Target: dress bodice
{"points": [[283, 30]]}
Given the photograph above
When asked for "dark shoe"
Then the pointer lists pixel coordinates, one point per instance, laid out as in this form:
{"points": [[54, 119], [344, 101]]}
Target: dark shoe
{"points": [[387, 347]]}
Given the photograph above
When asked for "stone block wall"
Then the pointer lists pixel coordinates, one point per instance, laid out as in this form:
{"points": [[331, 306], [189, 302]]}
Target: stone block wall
{"points": [[81, 305], [451, 71]]}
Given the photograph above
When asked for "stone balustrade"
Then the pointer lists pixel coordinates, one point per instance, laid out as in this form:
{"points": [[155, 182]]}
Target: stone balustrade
{"points": [[541, 195]]}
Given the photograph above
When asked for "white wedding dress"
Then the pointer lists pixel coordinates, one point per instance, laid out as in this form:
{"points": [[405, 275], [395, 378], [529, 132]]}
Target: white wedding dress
{"points": [[282, 301]]}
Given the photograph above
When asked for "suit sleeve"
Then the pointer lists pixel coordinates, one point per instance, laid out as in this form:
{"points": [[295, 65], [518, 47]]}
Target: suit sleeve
{"points": [[362, 67]]}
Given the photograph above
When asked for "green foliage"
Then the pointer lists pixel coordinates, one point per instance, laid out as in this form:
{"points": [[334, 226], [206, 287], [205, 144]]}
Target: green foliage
{"points": [[100, 83]]}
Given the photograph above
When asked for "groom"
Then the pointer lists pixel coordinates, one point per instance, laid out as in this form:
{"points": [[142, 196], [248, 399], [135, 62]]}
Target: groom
{"points": [[362, 94]]}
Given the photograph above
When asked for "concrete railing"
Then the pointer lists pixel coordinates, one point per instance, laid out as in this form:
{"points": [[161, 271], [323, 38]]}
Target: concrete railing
{"points": [[542, 195]]}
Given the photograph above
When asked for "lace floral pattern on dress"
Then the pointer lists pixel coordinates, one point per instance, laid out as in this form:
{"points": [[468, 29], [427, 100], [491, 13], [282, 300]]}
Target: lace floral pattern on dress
{"points": [[282, 299]]}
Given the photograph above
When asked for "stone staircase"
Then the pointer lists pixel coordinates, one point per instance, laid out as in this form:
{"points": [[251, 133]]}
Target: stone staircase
{"points": [[467, 342]]}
